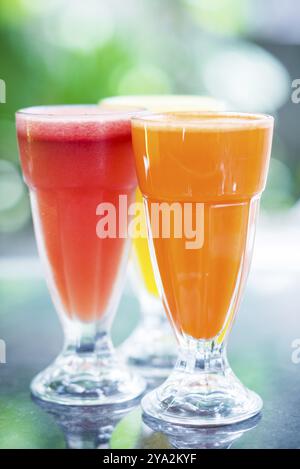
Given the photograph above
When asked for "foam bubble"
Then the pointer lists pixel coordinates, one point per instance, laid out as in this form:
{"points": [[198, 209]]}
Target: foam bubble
{"points": [[73, 122]]}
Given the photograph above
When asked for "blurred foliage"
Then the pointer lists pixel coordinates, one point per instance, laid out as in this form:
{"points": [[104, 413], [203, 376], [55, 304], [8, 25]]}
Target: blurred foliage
{"points": [[69, 51], [123, 439], [18, 422], [213, 15]]}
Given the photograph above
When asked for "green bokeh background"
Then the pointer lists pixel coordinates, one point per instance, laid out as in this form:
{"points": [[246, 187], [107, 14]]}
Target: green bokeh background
{"points": [[69, 51]]}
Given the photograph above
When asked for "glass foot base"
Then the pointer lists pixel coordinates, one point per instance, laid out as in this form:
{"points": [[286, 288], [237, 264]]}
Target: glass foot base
{"points": [[87, 380], [201, 400], [218, 437], [151, 351]]}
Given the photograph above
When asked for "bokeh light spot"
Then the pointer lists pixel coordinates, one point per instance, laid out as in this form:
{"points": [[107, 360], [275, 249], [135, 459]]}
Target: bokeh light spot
{"points": [[83, 26], [248, 77], [144, 79]]}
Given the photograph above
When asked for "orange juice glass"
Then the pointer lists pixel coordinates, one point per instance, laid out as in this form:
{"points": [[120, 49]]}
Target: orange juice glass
{"points": [[73, 159], [201, 176]]}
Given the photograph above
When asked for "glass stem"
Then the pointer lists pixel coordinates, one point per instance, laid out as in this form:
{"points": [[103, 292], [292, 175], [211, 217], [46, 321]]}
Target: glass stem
{"points": [[87, 339], [202, 356], [153, 315]]}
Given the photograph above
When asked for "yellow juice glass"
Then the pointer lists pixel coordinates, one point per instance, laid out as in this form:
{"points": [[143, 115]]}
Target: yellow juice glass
{"points": [[152, 346]]}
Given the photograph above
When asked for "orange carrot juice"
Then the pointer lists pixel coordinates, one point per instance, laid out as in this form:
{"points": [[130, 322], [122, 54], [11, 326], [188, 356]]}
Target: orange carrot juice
{"points": [[216, 160], [72, 162]]}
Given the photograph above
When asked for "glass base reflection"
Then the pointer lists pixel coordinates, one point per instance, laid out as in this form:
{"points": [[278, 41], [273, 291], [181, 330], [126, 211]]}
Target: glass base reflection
{"points": [[202, 438], [86, 427]]}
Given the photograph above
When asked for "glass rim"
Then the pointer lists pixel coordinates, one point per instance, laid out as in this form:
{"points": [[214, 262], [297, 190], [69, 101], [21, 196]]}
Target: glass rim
{"points": [[44, 111], [193, 118], [197, 98]]}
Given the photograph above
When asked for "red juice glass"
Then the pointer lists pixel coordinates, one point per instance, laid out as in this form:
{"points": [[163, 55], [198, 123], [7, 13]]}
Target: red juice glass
{"points": [[73, 159]]}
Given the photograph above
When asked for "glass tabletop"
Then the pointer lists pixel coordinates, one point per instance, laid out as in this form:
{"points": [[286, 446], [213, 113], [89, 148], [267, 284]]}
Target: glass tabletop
{"points": [[261, 354]]}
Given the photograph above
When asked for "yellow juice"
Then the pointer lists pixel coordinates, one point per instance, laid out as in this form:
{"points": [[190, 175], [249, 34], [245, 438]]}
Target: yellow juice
{"points": [[142, 257]]}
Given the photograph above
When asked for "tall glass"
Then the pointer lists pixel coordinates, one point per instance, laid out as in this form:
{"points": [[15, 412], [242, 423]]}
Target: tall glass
{"points": [[203, 173], [151, 348], [74, 159]]}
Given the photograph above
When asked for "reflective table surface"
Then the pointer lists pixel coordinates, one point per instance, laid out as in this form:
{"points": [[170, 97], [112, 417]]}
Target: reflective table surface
{"points": [[260, 351]]}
